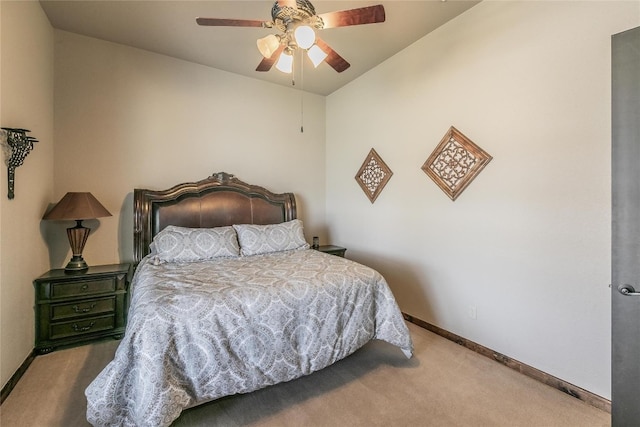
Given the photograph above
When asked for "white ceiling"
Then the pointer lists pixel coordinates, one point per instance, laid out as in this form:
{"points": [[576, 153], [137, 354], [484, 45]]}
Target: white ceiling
{"points": [[169, 28]]}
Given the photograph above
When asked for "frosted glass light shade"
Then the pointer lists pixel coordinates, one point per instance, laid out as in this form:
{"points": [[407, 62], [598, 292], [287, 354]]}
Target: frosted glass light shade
{"points": [[305, 36], [267, 45], [285, 63], [316, 55]]}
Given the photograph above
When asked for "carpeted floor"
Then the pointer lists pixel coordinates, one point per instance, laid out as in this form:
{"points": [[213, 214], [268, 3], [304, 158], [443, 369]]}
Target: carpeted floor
{"points": [[444, 384]]}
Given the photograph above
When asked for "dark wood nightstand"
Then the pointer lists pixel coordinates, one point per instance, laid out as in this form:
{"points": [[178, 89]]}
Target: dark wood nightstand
{"points": [[333, 250], [72, 308]]}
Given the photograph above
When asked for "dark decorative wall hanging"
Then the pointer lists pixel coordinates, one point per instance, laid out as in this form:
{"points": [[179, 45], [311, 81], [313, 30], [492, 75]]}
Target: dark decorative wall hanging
{"points": [[455, 162], [373, 175], [15, 146]]}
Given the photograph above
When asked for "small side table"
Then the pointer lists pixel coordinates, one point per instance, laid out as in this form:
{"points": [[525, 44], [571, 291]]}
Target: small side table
{"points": [[333, 250], [73, 308]]}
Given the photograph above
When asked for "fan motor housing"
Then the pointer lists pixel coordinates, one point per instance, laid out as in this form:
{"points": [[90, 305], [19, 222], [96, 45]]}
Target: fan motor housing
{"points": [[284, 16]]}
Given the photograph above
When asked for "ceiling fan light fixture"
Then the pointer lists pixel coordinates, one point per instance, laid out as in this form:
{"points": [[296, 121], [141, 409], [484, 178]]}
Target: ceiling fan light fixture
{"points": [[297, 22], [316, 55], [267, 45], [305, 36], [285, 63]]}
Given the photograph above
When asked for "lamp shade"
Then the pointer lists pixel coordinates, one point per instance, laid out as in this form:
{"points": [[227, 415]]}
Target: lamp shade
{"points": [[305, 36], [285, 63], [77, 206], [316, 55], [267, 45]]}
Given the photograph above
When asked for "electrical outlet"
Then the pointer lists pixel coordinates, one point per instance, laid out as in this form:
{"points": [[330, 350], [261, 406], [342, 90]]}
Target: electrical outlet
{"points": [[472, 312]]}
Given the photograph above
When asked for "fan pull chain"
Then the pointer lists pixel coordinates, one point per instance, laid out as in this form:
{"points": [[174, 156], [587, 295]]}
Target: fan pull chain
{"points": [[301, 92]]}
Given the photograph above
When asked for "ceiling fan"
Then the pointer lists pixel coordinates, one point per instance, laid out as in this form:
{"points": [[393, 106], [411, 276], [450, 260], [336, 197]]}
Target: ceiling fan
{"points": [[297, 21]]}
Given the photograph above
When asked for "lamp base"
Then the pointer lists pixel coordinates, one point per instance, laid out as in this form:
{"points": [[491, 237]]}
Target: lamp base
{"points": [[77, 263], [77, 238]]}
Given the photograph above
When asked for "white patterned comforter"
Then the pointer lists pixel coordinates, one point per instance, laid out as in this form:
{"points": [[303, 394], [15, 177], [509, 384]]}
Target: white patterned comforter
{"points": [[199, 331]]}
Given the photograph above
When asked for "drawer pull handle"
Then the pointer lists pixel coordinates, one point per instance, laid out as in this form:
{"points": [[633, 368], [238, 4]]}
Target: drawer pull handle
{"points": [[84, 287], [84, 310], [84, 328]]}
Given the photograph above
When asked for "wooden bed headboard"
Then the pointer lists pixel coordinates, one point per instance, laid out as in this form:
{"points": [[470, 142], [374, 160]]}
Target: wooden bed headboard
{"points": [[220, 200]]}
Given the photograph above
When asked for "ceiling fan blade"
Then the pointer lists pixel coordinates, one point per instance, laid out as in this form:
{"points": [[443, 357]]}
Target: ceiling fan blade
{"points": [[217, 22], [344, 18], [267, 63], [336, 61]]}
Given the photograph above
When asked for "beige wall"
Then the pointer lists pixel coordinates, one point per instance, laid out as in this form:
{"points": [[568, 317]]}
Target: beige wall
{"points": [[127, 118], [27, 102], [527, 245]]}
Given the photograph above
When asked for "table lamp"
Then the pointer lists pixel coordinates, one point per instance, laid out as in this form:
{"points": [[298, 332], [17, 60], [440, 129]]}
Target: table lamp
{"points": [[77, 207]]}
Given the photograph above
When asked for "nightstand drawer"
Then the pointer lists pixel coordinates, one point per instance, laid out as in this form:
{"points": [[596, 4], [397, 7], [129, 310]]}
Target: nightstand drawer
{"points": [[80, 327], [81, 288], [83, 308]]}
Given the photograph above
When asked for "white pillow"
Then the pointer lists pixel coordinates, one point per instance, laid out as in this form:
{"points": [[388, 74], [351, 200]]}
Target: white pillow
{"points": [[181, 244], [264, 239]]}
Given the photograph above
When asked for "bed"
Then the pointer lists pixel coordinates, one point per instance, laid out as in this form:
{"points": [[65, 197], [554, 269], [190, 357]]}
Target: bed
{"points": [[227, 297]]}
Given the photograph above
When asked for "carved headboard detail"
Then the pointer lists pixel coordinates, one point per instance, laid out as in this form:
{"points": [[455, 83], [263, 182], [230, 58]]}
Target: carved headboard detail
{"points": [[219, 200]]}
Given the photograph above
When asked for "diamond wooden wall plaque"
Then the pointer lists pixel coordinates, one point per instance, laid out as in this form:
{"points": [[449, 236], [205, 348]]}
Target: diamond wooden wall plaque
{"points": [[455, 162], [373, 175]]}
